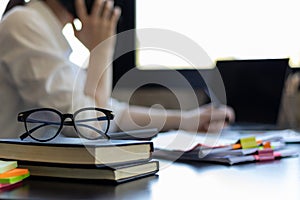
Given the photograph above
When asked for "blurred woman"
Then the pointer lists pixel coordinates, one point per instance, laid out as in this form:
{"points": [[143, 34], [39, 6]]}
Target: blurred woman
{"points": [[35, 70]]}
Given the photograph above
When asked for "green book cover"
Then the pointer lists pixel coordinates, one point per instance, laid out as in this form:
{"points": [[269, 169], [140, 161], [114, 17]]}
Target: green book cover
{"points": [[7, 165], [14, 179]]}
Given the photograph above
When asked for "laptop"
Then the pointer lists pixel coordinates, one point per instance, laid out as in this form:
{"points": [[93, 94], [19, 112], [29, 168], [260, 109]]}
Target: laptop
{"points": [[254, 89]]}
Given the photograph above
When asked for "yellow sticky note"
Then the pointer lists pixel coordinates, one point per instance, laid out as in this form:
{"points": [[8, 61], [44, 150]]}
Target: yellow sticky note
{"points": [[249, 142]]}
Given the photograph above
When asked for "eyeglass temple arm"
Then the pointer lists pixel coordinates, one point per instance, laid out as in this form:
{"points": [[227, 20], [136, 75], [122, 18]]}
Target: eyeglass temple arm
{"points": [[45, 123], [26, 134], [94, 129]]}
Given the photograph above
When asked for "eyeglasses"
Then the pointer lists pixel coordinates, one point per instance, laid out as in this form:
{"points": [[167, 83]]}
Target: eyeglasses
{"points": [[44, 124]]}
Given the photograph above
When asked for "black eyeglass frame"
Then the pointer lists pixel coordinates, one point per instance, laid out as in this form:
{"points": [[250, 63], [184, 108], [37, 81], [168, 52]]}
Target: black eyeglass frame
{"points": [[22, 117]]}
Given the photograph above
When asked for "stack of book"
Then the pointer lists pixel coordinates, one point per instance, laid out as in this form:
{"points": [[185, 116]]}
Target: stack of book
{"points": [[104, 160], [10, 175]]}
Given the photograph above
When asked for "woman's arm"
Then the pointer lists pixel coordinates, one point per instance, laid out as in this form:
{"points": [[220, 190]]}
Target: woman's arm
{"points": [[98, 35], [202, 119]]}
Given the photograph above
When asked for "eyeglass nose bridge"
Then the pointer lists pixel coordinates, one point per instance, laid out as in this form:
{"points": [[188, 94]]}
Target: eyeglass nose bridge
{"points": [[66, 116]]}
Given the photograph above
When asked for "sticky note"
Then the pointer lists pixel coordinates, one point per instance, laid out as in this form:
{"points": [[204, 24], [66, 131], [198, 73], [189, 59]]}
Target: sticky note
{"points": [[5, 187], [14, 172], [14, 179], [266, 154], [7, 165], [249, 142], [267, 145]]}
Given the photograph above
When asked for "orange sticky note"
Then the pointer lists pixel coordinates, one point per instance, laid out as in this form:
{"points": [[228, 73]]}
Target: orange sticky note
{"points": [[14, 172], [267, 145]]}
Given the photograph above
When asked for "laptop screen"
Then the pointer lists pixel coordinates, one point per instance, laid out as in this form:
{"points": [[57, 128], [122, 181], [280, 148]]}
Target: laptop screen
{"points": [[254, 88]]}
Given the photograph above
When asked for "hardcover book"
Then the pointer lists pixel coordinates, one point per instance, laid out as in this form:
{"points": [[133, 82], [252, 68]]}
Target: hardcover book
{"points": [[77, 151], [115, 174]]}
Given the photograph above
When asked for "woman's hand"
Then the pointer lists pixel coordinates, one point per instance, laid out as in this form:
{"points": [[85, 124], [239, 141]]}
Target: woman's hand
{"points": [[99, 25], [207, 118]]}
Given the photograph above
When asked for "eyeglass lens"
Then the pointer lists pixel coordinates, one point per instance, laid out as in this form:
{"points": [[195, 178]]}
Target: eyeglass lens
{"points": [[43, 124], [91, 124]]}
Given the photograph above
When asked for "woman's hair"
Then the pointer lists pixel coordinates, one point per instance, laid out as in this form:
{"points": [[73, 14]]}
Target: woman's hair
{"points": [[12, 3]]}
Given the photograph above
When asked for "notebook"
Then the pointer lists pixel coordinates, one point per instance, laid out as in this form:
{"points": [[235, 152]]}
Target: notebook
{"points": [[254, 89]]}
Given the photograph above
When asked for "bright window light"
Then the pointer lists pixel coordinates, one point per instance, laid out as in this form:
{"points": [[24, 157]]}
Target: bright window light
{"points": [[231, 29], [80, 53], [3, 6]]}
